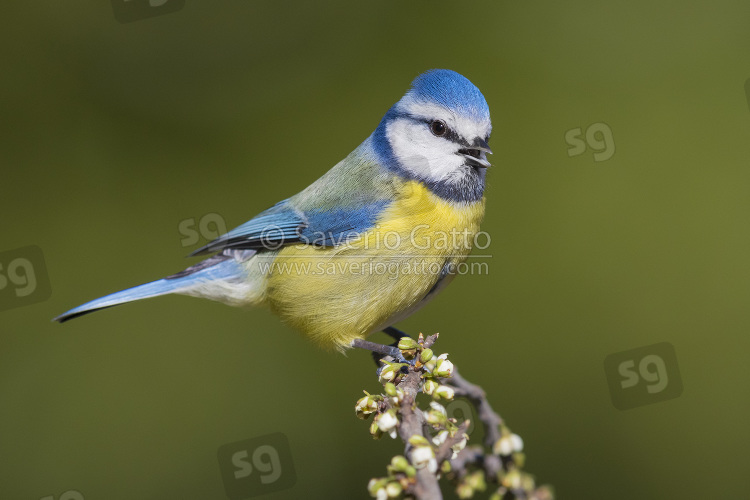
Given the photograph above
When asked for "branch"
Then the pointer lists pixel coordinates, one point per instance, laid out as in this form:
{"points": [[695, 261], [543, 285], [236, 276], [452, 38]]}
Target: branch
{"points": [[434, 443]]}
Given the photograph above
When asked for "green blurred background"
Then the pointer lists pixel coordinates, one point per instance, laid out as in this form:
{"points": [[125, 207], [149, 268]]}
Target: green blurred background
{"points": [[113, 135]]}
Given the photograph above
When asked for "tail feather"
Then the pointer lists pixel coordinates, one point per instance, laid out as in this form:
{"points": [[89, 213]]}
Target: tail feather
{"points": [[223, 270]]}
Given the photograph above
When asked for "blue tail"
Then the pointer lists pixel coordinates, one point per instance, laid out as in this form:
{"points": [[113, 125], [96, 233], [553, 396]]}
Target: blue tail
{"points": [[225, 268]]}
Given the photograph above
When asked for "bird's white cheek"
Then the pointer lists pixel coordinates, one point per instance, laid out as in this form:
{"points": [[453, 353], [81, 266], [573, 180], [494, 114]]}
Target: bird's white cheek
{"points": [[421, 153]]}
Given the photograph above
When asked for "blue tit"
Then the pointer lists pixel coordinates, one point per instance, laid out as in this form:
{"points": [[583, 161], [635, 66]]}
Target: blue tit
{"points": [[368, 243]]}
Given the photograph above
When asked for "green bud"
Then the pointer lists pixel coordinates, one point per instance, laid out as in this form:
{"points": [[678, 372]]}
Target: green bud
{"points": [[519, 459], [390, 389], [463, 490], [435, 418], [375, 430], [399, 463], [476, 481], [512, 479], [417, 440], [407, 343], [409, 353], [398, 398], [425, 355], [527, 482], [430, 365]]}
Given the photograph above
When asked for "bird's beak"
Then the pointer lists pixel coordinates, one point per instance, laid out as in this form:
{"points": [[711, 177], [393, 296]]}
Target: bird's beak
{"points": [[482, 145], [476, 154]]}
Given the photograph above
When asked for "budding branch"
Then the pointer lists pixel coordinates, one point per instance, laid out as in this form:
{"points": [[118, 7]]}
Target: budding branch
{"points": [[434, 443]]}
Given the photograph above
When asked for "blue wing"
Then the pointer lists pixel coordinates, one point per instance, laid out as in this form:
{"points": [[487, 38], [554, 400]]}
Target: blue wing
{"points": [[282, 225], [343, 203], [272, 228]]}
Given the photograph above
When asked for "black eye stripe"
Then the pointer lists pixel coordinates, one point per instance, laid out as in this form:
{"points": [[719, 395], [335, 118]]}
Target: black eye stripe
{"points": [[449, 134]]}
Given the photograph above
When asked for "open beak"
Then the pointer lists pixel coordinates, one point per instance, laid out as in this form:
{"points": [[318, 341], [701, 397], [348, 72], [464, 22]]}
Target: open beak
{"points": [[476, 155]]}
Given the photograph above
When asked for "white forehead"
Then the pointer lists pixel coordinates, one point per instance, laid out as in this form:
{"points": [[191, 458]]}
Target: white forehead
{"points": [[467, 127]]}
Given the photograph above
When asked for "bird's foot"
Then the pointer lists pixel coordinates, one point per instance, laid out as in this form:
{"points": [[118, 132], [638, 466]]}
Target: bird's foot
{"points": [[388, 353]]}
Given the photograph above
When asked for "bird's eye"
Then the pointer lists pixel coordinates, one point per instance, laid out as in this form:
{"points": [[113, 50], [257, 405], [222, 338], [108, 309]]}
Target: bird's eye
{"points": [[438, 127]]}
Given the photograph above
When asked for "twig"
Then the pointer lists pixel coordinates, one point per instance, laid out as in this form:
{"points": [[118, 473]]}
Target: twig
{"points": [[435, 444], [427, 486]]}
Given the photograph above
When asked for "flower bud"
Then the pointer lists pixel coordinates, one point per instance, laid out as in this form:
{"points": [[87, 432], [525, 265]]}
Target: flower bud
{"points": [[407, 343], [425, 355], [463, 490], [444, 368], [437, 416], [458, 447], [387, 421], [376, 485], [438, 407], [399, 463], [430, 366], [502, 446], [512, 479], [445, 468], [516, 442], [393, 489], [440, 438], [390, 389], [507, 444], [429, 386], [375, 430], [389, 372], [476, 481], [444, 392], [409, 353], [417, 440], [367, 405], [423, 456], [434, 418]]}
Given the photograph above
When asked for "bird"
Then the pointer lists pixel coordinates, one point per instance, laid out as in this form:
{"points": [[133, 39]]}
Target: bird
{"points": [[368, 243]]}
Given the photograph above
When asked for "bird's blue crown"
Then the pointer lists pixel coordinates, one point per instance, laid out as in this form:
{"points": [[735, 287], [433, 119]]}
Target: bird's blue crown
{"points": [[451, 90]]}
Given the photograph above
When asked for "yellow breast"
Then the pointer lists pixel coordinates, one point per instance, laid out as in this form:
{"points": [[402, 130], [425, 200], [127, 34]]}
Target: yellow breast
{"points": [[337, 294]]}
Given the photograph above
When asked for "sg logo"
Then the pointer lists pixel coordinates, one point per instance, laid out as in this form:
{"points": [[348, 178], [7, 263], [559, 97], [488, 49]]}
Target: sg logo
{"points": [[598, 137], [256, 466], [127, 11], [210, 227], [68, 495], [23, 278], [643, 376], [461, 410]]}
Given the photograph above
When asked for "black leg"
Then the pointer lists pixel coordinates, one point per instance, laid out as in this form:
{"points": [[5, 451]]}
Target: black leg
{"points": [[395, 333]]}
